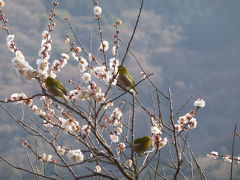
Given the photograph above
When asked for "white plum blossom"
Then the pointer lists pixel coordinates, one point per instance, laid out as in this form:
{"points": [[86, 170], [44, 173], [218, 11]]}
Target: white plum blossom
{"points": [[158, 142], [227, 158], [58, 64], [2, 3], [82, 68], [45, 46], [163, 142], [97, 10], [192, 123], [43, 65], [48, 102], [70, 125], [114, 50], [114, 138], [91, 57], [91, 92], [115, 117], [47, 124], [23, 67], [29, 73], [46, 35], [82, 64], [129, 163], [78, 49], [19, 55], [113, 64], [86, 130], [75, 55], [10, 37], [118, 131], [183, 120], [10, 42], [238, 159], [83, 61], [155, 130], [38, 111], [213, 155], [121, 147], [86, 77], [178, 127], [19, 98], [75, 155], [143, 74], [46, 157], [61, 150], [109, 104], [199, 103], [103, 74], [104, 45], [186, 121], [98, 169]]}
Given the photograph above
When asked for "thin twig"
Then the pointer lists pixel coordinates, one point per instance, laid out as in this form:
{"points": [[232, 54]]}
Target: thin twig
{"points": [[233, 146]]}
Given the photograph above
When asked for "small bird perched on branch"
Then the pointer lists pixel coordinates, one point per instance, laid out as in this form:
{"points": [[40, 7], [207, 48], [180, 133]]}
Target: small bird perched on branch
{"points": [[125, 79], [55, 87], [141, 145]]}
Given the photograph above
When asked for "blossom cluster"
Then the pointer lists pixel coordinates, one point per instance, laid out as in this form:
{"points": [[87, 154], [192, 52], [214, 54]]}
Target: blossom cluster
{"points": [[45, 46], [21, 65], [104, 46], [86, 130], [186, 121], [114, 125], [226, 158], [38, 111], [213, 155], [114, 121], [43, 63], [19, 98], [115, 117], [91, 92], [73, 155], [199, 103], [2, 3], [58, 64], [46, 157], [157, 141], [104, 74], [70, 125]]}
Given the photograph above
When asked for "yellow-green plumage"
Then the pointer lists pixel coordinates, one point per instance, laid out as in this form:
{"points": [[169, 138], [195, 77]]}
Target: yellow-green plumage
{"points": [[55, 87], [141, 145], [125, 79]]}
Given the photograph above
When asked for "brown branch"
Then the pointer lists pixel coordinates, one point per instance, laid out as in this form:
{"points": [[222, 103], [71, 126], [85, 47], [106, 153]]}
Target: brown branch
{"points": [[136, 59], [127, 90], [26, 170], [233, 147]]}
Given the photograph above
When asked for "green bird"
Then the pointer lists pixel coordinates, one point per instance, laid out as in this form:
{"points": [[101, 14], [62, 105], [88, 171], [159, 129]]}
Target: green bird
{"points": [[55, 87], [125, 79], [141, 145]]}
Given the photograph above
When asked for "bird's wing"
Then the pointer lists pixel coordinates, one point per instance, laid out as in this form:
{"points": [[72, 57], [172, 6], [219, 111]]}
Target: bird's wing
{"points": [[138, 141], [129, 78], [61, 87]]}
